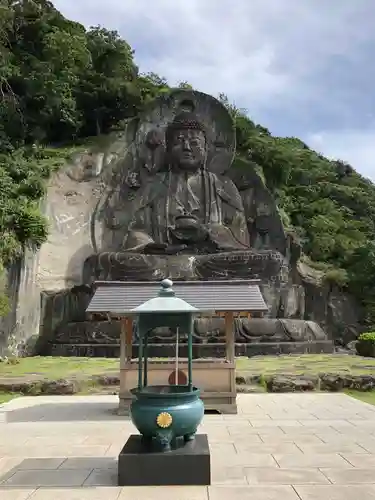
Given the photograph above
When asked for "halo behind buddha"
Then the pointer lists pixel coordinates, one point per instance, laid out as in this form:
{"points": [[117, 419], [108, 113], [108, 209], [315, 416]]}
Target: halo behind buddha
{"points": [[201, 111]]}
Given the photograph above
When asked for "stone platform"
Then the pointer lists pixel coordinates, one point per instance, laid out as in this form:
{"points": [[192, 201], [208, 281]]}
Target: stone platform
{"points": [[183, 465], [278, 447]]}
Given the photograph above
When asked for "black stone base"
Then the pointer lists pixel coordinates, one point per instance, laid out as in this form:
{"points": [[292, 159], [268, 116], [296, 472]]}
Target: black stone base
{"points": [[199, 350], [186, 465]]}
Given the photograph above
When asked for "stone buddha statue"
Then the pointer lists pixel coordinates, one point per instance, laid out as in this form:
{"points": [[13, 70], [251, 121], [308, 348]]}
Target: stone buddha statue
{"points": [[179, 218], [184, 208]]}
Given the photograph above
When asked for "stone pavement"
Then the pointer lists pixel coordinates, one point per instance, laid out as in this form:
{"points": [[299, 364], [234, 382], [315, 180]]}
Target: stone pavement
{"points": [[279, 447]]}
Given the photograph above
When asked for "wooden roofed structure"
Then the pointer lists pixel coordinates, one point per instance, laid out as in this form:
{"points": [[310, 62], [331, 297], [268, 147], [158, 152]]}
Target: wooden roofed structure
{"points": [[216, 377]]}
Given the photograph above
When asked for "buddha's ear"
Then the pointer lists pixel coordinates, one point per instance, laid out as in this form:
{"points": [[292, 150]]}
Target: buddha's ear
{"points": [[168, 156]]}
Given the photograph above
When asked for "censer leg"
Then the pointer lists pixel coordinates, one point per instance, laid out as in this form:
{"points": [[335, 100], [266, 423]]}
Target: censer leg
{"points": [[189, 437], [164, 440]]}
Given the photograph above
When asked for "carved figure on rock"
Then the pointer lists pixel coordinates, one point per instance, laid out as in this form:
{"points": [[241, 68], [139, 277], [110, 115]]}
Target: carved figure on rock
{"points": [[169, 201], [176, 213], [186, 208]]}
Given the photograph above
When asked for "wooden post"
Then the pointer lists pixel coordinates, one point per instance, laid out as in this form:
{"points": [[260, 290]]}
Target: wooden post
{"points": [[230, 354], [122, 342], [126, 339], [124, 368], [229, 336]]}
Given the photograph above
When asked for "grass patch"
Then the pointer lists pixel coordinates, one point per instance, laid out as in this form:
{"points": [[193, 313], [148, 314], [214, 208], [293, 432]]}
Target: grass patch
{"points": [[306, 364], [8, 396], [35, 369], [366, 397], [55, 367]]}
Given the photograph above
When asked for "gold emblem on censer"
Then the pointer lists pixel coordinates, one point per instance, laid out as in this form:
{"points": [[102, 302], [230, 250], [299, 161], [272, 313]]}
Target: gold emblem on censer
{"points": [[164, 420]]}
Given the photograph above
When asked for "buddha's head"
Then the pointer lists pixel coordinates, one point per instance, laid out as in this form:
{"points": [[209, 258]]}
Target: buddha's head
{"points": [[186, 142]]}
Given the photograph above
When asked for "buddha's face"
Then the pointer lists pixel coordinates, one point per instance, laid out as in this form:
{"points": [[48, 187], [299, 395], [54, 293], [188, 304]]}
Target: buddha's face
{"points": [[187, 149]]}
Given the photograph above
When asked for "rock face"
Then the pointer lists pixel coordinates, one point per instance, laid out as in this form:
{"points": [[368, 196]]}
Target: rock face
{"points": [[137, 207], [338, 313], [19, 330]]}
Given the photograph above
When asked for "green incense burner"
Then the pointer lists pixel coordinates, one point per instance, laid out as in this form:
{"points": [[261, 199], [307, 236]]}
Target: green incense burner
{"points": [[165, 414]]}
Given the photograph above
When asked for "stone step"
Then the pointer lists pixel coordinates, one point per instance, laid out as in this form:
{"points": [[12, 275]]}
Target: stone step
{"points": [[209, 350]]}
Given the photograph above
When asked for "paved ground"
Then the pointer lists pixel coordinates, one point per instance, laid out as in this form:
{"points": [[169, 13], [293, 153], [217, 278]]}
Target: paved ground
{"points": [[279, 447]]}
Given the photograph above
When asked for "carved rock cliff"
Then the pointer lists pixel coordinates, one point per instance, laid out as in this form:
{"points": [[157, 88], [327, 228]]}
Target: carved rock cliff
{"points": [[47, 290]]}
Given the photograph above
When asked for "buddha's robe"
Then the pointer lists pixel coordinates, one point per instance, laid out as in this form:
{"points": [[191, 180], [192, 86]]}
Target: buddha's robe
{"points": [[150, 217]]}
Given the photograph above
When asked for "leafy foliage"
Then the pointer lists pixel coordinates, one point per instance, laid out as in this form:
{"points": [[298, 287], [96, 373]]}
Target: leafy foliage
{"points": [[60, 82], [368, 336], [326, 203], [365, 344]]}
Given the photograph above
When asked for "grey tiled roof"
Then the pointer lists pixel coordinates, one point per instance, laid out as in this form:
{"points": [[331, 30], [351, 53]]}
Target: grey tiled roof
{"points": [[122, 297]]}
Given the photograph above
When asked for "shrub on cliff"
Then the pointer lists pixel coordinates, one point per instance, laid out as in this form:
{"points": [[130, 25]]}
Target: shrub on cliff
{"points": [[365, 345], [23, 175], [22, 184]]}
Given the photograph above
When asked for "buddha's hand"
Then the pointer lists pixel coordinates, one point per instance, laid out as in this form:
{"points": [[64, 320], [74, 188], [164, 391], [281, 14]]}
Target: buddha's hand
{"points": [[155, 248], [175, 249], [187, 222], [189, 229]]}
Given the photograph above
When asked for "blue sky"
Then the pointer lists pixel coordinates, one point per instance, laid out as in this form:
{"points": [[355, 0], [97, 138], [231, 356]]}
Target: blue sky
{"points": [[300, 67]]}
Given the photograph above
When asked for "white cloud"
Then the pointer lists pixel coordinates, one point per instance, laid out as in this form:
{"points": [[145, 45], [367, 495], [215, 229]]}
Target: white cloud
{"points": [[251, 50], [280, 59], [353, 146]]}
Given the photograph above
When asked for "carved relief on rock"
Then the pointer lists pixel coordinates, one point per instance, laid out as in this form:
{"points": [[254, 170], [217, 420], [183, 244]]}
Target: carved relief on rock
{"points": [[170, 196]]}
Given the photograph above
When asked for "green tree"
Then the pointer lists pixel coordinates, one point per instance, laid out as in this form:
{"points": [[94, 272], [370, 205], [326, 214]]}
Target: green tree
{"points": [[107, 91], [361, 270], [48, 55], [22, 184]]}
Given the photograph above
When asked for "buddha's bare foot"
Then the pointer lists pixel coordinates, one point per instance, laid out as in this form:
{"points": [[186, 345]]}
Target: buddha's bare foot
{"points": [[155, 248], [174, 249], [163, 249]]}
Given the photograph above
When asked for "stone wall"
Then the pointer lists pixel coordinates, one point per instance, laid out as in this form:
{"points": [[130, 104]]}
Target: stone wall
{"points": [[19, 330], [337, 312]]}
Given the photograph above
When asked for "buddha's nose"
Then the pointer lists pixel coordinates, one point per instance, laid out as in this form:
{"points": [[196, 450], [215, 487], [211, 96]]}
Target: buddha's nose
{"points": [[187, 145]]}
